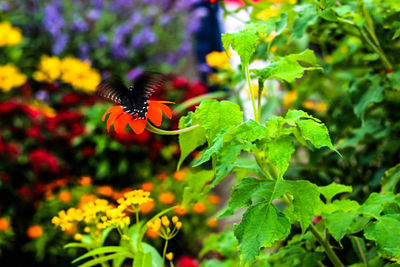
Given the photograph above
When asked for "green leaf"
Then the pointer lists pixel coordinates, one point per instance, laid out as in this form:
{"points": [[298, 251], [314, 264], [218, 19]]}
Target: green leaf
{"points": [[311, 128], [329, 191], [189, 141], [375, 204], [78, 245], [396, 34], [306, 201], [242, 194], [339, 223], [245, 41], [364, 92], [196, 183], [251, 131], [288, 68], [216, 148], [385, 233], [340, 205], [307, 16], [102, 259], [101, 250], [391, 179], [142, 260], [261, 226], [280, 152], [216, 116]]}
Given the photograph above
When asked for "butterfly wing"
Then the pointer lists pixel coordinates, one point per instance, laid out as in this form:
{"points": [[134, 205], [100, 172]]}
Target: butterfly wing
{"points": [[143, 86], [112, 89]]}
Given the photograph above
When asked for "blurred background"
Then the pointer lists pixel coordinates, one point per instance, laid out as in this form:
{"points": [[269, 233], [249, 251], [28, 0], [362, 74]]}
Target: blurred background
{"points": [[55, 152]]}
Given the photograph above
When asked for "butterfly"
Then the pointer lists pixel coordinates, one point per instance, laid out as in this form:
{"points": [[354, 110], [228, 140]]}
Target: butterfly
{"points": [[135, 98]]}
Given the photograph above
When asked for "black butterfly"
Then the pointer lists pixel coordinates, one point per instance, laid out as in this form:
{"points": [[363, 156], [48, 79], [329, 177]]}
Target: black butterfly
{"points": [[134, 100]]}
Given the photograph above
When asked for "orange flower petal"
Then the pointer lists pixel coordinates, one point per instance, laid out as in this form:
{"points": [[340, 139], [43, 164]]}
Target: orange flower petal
{"points": [[112, 118], [138, 125], [112, 110], [154, 114], [121, 122]]}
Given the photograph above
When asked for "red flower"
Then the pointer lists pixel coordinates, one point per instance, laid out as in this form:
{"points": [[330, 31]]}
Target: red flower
{"points": [[120, 119], [41, 159], [187, 261]]}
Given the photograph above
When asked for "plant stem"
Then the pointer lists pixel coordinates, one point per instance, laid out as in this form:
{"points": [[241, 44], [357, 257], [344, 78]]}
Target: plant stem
{"points": [[164, 252], [247, 73], [328, 249], [156, 130]]}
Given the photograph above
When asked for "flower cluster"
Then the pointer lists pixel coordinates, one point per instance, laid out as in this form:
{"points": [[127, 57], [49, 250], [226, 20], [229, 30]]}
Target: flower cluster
{"points": [[10, 77], [134, 199], [97, 214], [69, 70], [161, 226], [9, 35]]}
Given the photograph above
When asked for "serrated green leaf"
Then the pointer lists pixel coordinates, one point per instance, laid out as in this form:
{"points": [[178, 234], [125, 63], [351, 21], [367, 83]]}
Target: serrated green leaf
{"points": [[274, 225], [142, 260], [280, 152], [391, 179], [306, 201], [215, 116], [375, 204], [338, 223], [340, 205], [189, 141], [245, 41], [385, 232], [329, 191], [288, 68], [251, 131], [242, 194], [216, 148]]}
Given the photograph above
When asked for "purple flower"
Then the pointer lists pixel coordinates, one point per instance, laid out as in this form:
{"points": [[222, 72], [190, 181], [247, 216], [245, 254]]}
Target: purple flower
{"points": [[195, 21], [145, 36], [121, 5], [42, 95], [119, 51], [102, 39], [84, 51], [93, 14], [97, 4], [165, 19], [53, 20], [4, 6], [60, 43], [79, 25]]}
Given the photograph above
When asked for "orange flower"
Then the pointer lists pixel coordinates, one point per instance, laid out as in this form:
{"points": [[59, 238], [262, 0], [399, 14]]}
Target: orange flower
{"points": [[162, 176], [148, 186], [199, 207], [34, 231], [65, 196], [214, 199], [86, 198], [180, 211], [85, 180], [166, 198], [105, 190], [4, 224], [180, 175], [147, 207], [212, 222], [120, 119], [152, 234]]}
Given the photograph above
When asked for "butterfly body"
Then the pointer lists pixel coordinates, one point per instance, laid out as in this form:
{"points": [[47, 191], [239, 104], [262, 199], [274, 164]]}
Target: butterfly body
{"points": [[135, 98]]}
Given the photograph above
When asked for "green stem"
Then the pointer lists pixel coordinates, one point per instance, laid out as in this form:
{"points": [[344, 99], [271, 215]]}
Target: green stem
{"points": [[139, 239], [247, 73], [156, 130], [164, 252], [376, 48], [328, 249], [195, 100], [261, 165]]}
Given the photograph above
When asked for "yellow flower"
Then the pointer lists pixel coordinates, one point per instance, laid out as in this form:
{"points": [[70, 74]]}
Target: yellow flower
{"points": [[9, 36], [78, 237], [169, 256], [134, 199], [10, 77], [165, 221], [290, 97], [79, 74], [218, 59], [49, 69], [43, 108], [268, 13], [161, 226]]}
